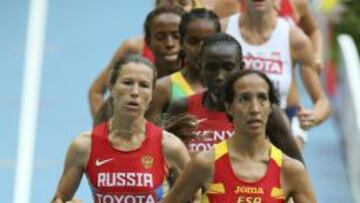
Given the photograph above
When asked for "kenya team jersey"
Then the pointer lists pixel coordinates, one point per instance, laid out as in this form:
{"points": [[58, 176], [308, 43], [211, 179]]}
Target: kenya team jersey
{"points": [[272, 57], [137, 176], [213, 126], [226, 187]]}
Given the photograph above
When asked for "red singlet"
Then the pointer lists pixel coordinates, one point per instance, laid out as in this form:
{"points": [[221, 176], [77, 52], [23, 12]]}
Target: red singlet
{"points": [[226, 187], [213, 127], [132, 176]]}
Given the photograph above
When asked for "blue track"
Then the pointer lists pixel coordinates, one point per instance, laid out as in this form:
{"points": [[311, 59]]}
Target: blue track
{"points": [[81, 37]]}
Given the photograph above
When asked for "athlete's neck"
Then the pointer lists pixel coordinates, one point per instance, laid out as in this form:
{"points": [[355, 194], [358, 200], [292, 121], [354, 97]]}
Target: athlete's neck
{"points": [[165, 69], [259, 23], [191, 75], [248, 145], [120, 126], [211, 101]]}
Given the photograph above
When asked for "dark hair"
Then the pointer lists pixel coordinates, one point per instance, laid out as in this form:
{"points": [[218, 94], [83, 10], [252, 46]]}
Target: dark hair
{"points": [[277, 127], [228, 92], [172, 2], [198, 13], [156, 12], [183, 125], [280, 134], [223, 39], [194, 14], [106, 110]]}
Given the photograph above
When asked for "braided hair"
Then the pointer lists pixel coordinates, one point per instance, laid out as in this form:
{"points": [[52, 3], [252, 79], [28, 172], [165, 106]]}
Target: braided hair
{"points": [[225, 40], [186, 19]]}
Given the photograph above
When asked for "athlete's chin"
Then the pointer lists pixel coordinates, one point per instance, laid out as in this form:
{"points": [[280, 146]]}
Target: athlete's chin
{"points": [[259, 7], [171, 58], [170, 63], [216, 90], [133, 112], [255, 130]]}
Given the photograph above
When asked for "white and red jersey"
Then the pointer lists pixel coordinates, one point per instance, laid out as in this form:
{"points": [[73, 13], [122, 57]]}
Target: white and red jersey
{"points": [[272, 57], [137, 176]]}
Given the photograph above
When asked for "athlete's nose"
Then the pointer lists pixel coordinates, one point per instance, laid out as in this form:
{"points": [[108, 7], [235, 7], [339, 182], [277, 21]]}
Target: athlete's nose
{"points": [[221, 76], [134, 92], [170, 42], [254, 106]]}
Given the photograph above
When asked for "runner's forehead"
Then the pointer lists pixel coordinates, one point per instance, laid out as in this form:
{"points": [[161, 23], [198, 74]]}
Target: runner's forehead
{"points": [[173, 2], [186, 5]]}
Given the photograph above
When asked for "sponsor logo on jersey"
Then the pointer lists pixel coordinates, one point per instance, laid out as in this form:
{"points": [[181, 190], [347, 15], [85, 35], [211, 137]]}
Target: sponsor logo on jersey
{"points": [[202, 120], [124, 198], [248, 190], [102, 162], [269, 65]]}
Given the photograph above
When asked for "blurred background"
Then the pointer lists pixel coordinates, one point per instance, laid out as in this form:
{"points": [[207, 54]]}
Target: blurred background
{"points": [[79, 39]]}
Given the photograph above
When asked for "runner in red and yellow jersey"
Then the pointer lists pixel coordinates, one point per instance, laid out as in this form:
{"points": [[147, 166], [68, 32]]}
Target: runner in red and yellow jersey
{"points": [[246, 167]]}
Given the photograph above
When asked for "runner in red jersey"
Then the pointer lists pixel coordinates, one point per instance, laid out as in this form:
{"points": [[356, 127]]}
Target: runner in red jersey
{"points": [[246, 167], [213, 126], [127, 176], [227, 187], [221, 55], [126, 159]]}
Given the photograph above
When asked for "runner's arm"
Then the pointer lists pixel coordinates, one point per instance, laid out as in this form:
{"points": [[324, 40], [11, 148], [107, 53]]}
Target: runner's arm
{"points": [[308, 23], [197, 175], [302, 52], [74, 167], [297, 181]]}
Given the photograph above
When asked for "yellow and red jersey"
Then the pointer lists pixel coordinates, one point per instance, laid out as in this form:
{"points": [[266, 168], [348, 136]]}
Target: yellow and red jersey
{"points": [[226, 187]]}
